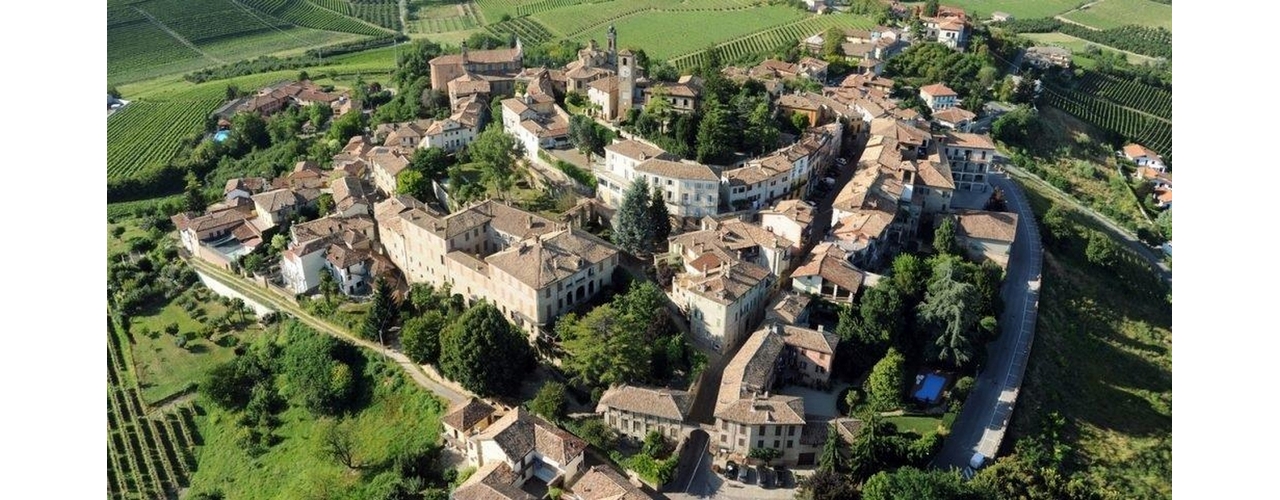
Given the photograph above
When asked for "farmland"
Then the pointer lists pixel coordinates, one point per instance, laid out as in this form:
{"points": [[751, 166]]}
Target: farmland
{"points": [[1115, 13], [1021, 9], [144, 135], [1152, 132], [1078, 45], [433, 16], [385, 13], [772, 38]]}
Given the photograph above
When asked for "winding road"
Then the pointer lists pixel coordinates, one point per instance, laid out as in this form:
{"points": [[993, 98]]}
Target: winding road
{"points": [[984, 419]]}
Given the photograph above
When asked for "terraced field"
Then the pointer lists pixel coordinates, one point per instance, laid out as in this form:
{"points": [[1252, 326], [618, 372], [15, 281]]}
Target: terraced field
{"points": [[442, 16], [150, 454], [770, 39], [652, 30], [385, 13]]}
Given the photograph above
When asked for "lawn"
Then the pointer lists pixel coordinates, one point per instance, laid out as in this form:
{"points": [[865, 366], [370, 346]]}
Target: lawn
{"points": [[1078, 45], [1021, 9], [919, 424], [165, 369], [400, 415], [1115, 13], [699, 30], [1102, 358]]}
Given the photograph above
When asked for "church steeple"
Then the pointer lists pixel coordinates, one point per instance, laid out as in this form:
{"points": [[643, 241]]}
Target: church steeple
{"points": [[613, 44]]}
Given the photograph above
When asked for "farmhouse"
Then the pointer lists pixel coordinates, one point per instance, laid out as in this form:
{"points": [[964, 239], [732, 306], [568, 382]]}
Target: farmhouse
{"points": [[1144, 157], [515, 449], [1044, 57], [986, 235], [954, 118]]}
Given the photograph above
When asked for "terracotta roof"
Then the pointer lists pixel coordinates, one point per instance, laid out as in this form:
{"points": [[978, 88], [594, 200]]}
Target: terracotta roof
{"points": [[783, 410], [865, 224], [544, 260], [899, 131], [848, 427], [388, 159], [480, 56], [994, 226], [938, 90], [1133, 151], [808, 339], [725, 289], [797, 210], [665, 403], [636, 150], [965, 140], [789, 305], [469, 84], [601, 482], [954, 115], [251, 185], [493, 481], [468, 414], [677, 169], [606, 84], [519, 432], [343, 257], [829, 263], [934, 173], [275, 200], [751, 370]]}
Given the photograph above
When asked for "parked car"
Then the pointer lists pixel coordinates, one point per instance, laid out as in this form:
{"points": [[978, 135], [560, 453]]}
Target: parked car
{"points": [[976, 463], [766, 477], [744, 474], [785, 479], [731, 470]]}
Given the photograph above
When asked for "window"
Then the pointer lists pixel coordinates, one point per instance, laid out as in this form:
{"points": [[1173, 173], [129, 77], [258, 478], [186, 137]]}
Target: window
{"points": [[760, 443], [742, 442], [790, 443], [777, 444], [723, 438], [668, 182], [777, 431], [791, 431], [762, 432]]}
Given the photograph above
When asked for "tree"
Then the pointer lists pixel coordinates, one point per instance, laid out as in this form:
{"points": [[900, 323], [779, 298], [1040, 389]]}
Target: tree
{"points": [[912, 483], [313, 374], [413, 183], [714, 134], [931, 8], [383, 314], [496, 153], [1165, 222], [230, 385], [194, 198], [420, 337], [585, 136], [1101, 250], [549, 402], [1020, 127], [1057, 226], [253, 263], [432, 162], [279, 242], [654, 444], [325, 203], [832, 458], [887, 381], [761, 133], [876, 447], [949, 310], [827, 485], [767, 455], [250, 130], [986, 77], [832, 42], [328, 286], [944, 238], [485, 353], [339, 444], [909, 275], [800, 121], [867, 331], [319, 113], [659, 220], [604, 348], [346, 126], [631, 232]]}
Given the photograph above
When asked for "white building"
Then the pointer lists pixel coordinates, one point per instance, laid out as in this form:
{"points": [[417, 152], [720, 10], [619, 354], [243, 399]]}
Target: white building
{"points": [[789, 219], [537, 122], [938, 96], [722, 302], [689, 189], [636, 411], [969, 157], [515, 449], [1144, 157]]}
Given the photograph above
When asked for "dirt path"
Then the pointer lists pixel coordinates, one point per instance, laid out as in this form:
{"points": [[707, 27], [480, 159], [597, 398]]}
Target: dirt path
{"points": [[281, 304], [1062, 17], [176, 36]]}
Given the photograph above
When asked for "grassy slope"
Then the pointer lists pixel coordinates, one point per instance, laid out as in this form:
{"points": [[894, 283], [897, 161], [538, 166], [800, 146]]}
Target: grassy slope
{"points": [[652, 31], [1021, 9], [1094, 191], [400, 415], [1103, 359], [1115, 13]]}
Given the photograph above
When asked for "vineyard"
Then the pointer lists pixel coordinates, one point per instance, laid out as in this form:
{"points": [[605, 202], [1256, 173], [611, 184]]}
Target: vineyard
{"points": [[1130, 94], [385, 13], [307, 14], [138, 48], [1115, 13], [148, 456], [528, 30], [203, 20], [526, 9], [339, 6], [1133, 126], [651, 31], [494, 10], [767, 40], [144, 135]]}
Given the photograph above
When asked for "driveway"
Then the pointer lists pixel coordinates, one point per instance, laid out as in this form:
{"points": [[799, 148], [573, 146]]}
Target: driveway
{"points": [[984, 419]]}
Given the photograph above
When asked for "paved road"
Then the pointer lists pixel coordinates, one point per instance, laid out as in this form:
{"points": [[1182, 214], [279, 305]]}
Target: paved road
{"points": [[985, 417], [1153, 256], [694, 457], [282, 304]]}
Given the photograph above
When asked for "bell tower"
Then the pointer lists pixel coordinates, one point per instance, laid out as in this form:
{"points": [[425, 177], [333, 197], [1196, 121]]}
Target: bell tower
{"points": [[626, 81]]}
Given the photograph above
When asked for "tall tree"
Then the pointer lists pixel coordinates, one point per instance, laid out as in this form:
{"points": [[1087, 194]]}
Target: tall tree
{"points": [[194, 198], [887, 381], [715, 136], [496, 152], [910, 274], [383, 314], [761, 134], [944, 238], [432, 162], [827, 485], [931, 8], [604, 348], [948, 309], [485, 353], [549, 402], [659, 220], [420, 337], [585, 136], [910, 483], [631, 232], [339, 444], [1101, 250], [832, 42], [313, 375], [832, 458]]}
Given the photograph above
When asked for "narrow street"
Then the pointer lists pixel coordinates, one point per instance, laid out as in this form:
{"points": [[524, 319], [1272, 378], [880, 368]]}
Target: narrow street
{"points": [[286, 306], [984, 419]]}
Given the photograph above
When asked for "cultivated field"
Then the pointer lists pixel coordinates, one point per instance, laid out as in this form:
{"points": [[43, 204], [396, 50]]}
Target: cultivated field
{"points": [[1077, 46], [441, 16], [773, 38], [1021, 9], [1115, 13], [653, 31]]}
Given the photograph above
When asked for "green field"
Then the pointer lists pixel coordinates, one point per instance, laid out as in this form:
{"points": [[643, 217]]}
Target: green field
{"points": [[442, 16], [1103, 359], [1077, 46], [773, 38], [1021, 9], [1115, 13], [652, 31]]}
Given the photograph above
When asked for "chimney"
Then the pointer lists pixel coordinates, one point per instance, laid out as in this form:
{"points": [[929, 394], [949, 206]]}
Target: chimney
{"points": [[819, 327], [529, 222]]}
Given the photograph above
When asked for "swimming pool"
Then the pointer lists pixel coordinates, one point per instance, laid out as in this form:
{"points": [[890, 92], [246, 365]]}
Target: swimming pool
{"points": [[221, 135], [931, 389]]}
